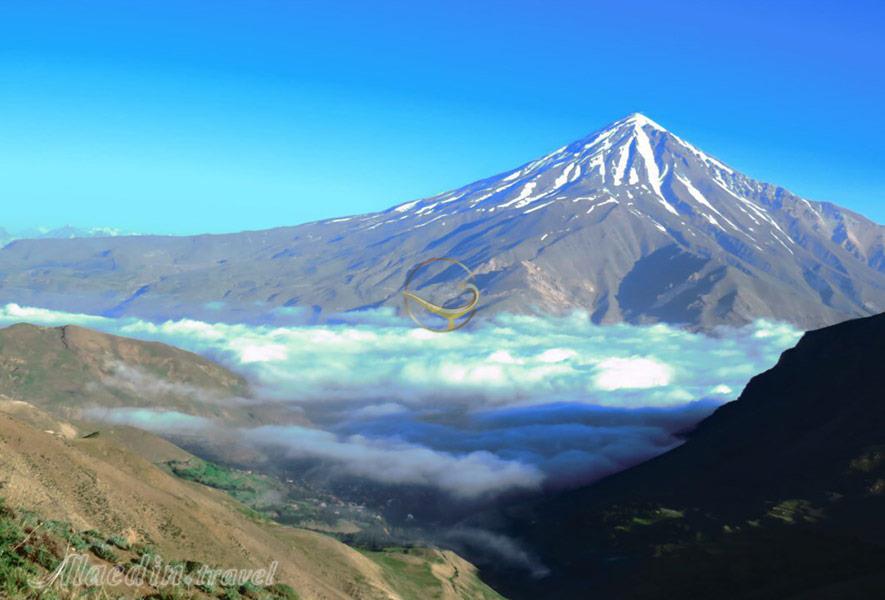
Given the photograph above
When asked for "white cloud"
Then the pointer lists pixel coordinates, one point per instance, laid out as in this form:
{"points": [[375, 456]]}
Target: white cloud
{"points": [[157, 421], [432, 404], [631, 373], [469, 475], [152, 388], [252, 353], [508, 360]]}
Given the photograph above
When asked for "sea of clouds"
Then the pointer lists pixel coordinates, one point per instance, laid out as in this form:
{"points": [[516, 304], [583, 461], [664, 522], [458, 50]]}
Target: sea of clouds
{"points": [[515, 403]]}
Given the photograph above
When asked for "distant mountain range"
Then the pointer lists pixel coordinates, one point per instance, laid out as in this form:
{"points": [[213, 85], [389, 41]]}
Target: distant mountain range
{"points": [[66, 232], [630, 223], [780, 494]]}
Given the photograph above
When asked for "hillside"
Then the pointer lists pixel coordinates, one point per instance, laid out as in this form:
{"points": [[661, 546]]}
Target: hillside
{"points": [[779, 494], [97, 483], [68, 369], [40, 557], [630, 223], [59, 462]]}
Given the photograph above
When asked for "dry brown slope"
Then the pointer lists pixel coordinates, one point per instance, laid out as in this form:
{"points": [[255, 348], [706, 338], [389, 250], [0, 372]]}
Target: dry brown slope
{"points": [[66, 369], [98, 483]]}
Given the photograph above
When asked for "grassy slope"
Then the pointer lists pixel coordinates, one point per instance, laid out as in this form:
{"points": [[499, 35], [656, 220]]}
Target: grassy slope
{"points": [[416, 573], [32, 548], [288, 503], [423, 574], [98, 484]]}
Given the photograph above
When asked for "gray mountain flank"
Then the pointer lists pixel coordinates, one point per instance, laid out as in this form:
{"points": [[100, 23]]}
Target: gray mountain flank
{"points": [[630, 223]]}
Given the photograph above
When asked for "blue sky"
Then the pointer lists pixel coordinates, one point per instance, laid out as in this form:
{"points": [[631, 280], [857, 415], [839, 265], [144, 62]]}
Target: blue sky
{"points": [[185, 116]]}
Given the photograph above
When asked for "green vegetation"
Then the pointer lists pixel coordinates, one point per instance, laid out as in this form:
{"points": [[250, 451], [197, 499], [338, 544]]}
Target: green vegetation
{"points": [[119, 541], [415, 579], [265, 497], [410, 572], [32, 548], [104, 552], [250, 489], [282, 591], [627, 518], [795, 510], [869, 461]]}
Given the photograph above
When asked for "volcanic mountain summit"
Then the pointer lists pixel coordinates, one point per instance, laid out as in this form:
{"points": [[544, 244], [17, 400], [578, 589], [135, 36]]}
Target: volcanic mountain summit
{"points": [[630, 223]]}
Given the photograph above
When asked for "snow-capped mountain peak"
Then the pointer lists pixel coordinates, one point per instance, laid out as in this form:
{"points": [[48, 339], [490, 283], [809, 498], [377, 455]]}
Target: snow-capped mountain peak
{"points": [[630, 223], [632, 156], [637, 120], [636, 180]]}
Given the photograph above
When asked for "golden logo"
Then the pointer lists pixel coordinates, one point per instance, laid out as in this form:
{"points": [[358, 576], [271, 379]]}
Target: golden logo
{"points": [[435, 280]]}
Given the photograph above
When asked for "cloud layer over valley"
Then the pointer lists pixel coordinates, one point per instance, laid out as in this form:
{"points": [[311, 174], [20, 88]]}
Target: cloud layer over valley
{"points": [[516, 403]]}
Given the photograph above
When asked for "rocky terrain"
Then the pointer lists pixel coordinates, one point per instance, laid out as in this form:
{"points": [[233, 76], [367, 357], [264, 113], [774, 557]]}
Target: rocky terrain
{"points": [[630, 223]]}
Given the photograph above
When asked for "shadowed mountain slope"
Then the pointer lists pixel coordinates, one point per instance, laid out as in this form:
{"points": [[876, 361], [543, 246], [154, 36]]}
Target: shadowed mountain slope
{"points": [[779, 494]]}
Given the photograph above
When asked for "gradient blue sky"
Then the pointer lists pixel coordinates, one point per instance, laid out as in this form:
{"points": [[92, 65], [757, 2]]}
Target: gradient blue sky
{"points": [[185, 116]]}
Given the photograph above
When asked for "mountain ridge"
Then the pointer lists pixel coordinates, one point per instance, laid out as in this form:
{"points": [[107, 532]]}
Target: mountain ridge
{"points": [[630, 223], [794, 468]]}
